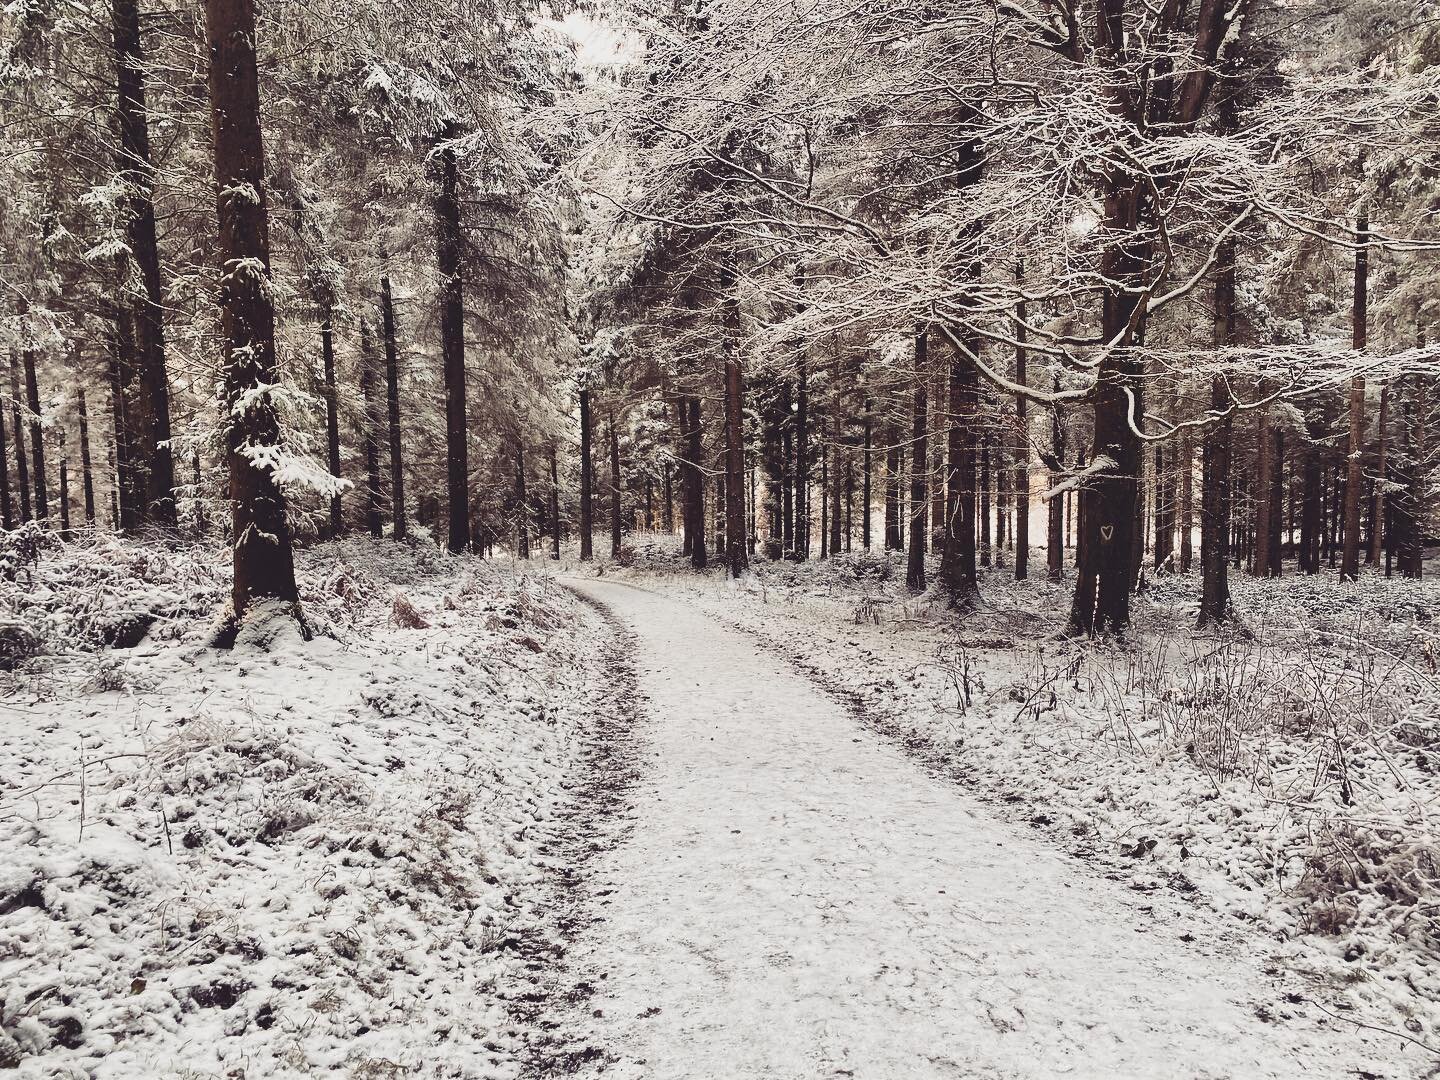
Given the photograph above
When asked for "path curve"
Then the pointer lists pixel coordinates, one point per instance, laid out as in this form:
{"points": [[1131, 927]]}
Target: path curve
{"points": [[796, 898]]}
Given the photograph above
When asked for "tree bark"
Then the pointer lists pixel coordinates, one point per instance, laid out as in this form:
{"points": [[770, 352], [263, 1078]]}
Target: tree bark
{"points": [[37, 433], [1355, 446], [554, 502], [615, 488], [392, 409], [1215, 459], [587, 481], [64, 493], [865, 486], [87, 476], [1187, 502], [332, 417], [264, 560], [150, 419], [1022, 445], [1055, 510], [522, 509], [958, 573], [919, 465], [1379, 501], [695, 511], [802, 461], [452, 343], [124, 500], [373, 521], [7, 501], [736, 554]]}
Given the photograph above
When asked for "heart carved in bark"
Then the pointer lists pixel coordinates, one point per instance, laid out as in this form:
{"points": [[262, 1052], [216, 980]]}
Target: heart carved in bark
{"points": [[1106, 532]]}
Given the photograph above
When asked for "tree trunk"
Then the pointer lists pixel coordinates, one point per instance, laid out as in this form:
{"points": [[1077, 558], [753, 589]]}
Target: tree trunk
{"points": [[1378, 502], [452, 343], [836, 488], [7, 502], [1022, 446], [87, 476], [522, 509], [587, 481], [919, 465], [1264, 512], [802, 462], [264, 560], [1106, 555], [124, 499], [1275, 500], [37, 432], [696, 510], [1215, 459], [332, 417], [370, 432], [1055, 511], [668, 521], [554, 503], [893, 538], [392, 409], [865, 490], [985, 542], [736, 555], [1412, 551], [64, 493], [958, 573], [615, 488], [1355, 446], [1187, 502], [151, 459]]}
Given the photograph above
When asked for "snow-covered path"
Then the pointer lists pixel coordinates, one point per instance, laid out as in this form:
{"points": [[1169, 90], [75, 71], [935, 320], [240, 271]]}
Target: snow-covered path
{"points": [[798, 899]]}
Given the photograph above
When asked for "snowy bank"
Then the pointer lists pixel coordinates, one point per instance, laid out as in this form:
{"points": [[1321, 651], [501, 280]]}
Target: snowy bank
{"points": [[289, 857]]}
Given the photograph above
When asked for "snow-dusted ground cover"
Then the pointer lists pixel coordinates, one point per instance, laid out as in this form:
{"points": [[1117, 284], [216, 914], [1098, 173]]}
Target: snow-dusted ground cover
{"points": [[1289, 781], [289, 857]]}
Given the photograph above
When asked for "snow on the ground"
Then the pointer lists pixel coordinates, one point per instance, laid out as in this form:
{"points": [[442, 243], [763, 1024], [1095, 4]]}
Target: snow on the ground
{"points": [[797, 898], [287, 858], [1289, 782]]}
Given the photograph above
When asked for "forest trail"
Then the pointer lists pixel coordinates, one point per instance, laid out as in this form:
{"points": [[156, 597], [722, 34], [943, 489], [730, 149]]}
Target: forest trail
{"points": [[795, 898]]}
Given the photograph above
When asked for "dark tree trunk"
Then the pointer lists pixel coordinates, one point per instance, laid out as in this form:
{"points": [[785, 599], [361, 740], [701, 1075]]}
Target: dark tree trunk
{"points": [[264, 560], [522, 508], [87, 475], [1215, 459], [1378, 500], [802, 462], [1312, 503], [668, 520], [452, 344], [1022, 448], [392, 409], [7, 502], [985, 545], [64, 493], [850, 504], [1055, 511], [124, 498], [1417, 480], [1187, 502], [919, 465], [824, 500], [587, 481], [332, 417], [695, 484], [151, 457], [37, 433], [615, 488], [836, 488], [1275, 502], [958, 573], [865, 485], [371, 432], [1355, 446], [554, 502], [736, 554]]}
